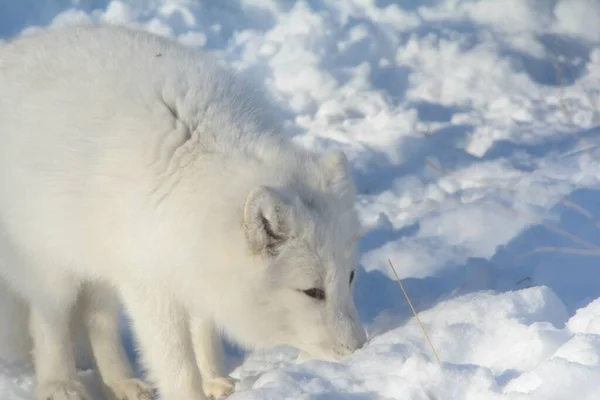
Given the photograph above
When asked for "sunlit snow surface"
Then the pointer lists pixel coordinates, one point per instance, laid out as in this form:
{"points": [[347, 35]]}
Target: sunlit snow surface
{"points": [[471, 127]]}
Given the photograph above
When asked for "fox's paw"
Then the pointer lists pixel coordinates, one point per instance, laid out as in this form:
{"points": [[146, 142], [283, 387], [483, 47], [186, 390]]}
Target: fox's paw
{"points": [[217, 388], [131, 389], [68, 390]]}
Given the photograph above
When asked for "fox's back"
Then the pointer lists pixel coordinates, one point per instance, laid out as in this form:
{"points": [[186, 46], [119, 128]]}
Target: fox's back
{"points": [[89, 114]]}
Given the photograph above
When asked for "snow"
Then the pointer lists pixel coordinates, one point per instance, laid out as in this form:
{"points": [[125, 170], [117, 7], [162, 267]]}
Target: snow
{"points": [[472, 128]]}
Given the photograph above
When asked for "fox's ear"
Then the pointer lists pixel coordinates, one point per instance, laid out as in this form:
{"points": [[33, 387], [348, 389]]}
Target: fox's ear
{"points": [[338, 175], [266, 221]]}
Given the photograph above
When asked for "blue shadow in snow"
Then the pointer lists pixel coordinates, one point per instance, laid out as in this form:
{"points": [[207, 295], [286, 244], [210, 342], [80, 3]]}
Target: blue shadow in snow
{"points": [[564, 62], [574, 277], [380, 174]]}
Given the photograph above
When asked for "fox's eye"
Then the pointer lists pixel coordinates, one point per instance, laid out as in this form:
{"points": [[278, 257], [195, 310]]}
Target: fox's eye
{"points": [[315, 293], [351, 277]]}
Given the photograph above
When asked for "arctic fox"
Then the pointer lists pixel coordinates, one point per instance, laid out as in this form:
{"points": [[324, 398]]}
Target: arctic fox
{"points": [[131, 163]]}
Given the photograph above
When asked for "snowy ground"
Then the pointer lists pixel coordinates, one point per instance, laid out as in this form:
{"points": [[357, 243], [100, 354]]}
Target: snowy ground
{"points": [[472, 128]]}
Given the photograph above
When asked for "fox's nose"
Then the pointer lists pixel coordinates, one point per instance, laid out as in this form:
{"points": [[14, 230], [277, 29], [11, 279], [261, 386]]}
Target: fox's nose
{"points": [[346, 349], [360, 338], [356, 342]]}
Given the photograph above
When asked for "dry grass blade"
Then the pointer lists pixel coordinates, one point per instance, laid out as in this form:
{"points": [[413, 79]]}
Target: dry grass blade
{"points": [[577, 152], [567, 203], [437, 357], [559, 81], [593, 103], [537, 220], [568, 116], [564, 250]]}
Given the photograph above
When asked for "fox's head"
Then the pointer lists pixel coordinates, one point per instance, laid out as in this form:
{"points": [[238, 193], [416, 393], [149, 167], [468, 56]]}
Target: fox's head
{"points": [[301, 240]]}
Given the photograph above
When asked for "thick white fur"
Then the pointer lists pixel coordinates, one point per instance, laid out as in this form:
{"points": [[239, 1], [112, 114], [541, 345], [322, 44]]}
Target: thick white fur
{"points": [[15, 343], [130, 162]]}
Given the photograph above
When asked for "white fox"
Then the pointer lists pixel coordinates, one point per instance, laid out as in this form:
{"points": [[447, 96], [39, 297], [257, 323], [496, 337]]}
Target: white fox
{"points": [[132, 163]]}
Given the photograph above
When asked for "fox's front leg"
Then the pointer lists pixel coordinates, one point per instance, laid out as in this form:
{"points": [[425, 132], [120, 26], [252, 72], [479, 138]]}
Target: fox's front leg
{"points": [[209, 356], [162, 328], [99, 309]]}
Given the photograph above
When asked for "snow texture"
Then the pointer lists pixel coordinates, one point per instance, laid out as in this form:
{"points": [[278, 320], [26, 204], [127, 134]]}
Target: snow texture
{"points": [[472, 128]]}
